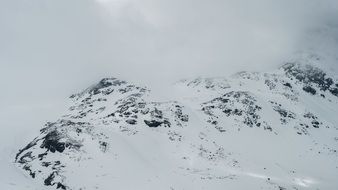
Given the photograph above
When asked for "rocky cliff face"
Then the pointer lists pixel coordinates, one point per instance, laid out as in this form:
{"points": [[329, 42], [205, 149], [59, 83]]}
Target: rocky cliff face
{"points": [[275, 130]]}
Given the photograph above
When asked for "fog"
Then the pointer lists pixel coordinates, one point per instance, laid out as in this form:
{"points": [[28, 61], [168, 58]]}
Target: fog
{"points": [[50, 49]]}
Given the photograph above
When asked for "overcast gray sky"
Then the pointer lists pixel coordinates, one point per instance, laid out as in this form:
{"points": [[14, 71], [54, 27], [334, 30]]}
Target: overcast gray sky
{"points": [[52, 48]]}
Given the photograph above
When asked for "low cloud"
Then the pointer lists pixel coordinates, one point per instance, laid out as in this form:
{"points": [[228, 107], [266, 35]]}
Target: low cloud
{"points": [[50, 49]]}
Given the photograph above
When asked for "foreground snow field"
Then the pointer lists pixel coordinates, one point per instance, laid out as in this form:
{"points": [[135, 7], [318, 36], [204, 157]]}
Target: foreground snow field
{"points": [[273, 130]]}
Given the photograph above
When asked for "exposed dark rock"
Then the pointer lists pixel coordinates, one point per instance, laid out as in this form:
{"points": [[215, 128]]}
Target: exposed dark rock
{"points": [[26, 157], [131, 121], [103, 146], [152, 123], [287, 84], [104, 83], [286, 115], [48, 181], [31, 144], [46, 164], [60, 186], [310, 75], [309, 89], [41, 156], [28, 168], [334, 91], [235, 103], [52, 142], [180, 115], [314, 120]]}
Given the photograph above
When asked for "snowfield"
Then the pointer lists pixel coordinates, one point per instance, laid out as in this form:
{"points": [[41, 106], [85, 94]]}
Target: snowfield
{"points": [[273, 130]]}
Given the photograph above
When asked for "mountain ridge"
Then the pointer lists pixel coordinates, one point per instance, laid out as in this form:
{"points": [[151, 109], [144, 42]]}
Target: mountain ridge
{"points": [[210, 136]]}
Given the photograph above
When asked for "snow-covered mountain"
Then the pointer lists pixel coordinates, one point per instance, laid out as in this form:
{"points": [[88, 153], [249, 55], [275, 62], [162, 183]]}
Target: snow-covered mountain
{"points": [[272, 130]]}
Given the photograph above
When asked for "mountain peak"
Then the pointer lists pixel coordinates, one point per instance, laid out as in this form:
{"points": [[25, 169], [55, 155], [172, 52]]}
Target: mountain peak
{"points": [[224, 130]]}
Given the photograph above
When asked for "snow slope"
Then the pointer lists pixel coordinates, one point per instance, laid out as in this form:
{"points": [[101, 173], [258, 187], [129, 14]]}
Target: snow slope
{"points": [[273, 130]]}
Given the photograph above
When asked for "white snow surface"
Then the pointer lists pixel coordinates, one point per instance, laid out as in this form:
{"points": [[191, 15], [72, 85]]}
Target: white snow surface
{"points": [[248, 131]]}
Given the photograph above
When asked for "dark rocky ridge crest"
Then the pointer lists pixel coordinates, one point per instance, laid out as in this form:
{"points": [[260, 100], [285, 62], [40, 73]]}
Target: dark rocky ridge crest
{"points": [[105, 86], [311, 77]]}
